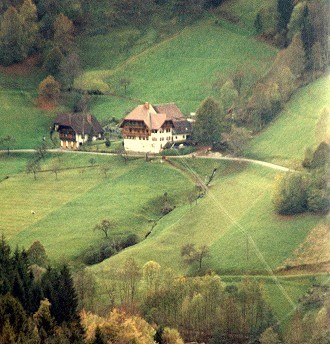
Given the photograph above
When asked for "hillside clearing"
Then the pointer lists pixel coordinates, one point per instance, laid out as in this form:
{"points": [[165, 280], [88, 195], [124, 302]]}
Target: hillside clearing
{"points": [[284, 141]]}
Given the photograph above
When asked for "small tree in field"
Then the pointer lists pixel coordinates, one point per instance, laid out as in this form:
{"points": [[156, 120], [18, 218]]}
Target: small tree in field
{"points": [[125, 82], [33, 166], [55, 168], [7, 142], [190, 254], [104, 226]]}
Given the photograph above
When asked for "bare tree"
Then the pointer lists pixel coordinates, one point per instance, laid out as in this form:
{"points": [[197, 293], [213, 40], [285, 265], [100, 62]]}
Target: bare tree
{"points": [[7, 142], [33, 166], [125, 82], [55, 168], [105, 169], [104, 226]]}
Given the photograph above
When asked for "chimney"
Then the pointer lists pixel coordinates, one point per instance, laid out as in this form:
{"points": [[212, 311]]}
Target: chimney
{"points": [[89, 118], [146, 105]]}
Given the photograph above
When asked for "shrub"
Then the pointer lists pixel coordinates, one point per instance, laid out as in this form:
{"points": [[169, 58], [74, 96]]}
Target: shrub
{"points": [[290, 196], [96, 254], [318, 201], [321, 156], [130, 240]]}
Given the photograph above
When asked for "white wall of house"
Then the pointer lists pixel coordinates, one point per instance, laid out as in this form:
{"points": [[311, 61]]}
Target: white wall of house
{"points": [[179, 137], [155, 142]]}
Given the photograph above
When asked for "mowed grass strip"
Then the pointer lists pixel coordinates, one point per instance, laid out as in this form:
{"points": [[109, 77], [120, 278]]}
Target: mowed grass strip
{"points": [[67, 209], [284, 141]]}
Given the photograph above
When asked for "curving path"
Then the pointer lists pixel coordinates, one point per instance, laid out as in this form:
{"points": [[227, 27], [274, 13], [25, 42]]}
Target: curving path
{"points": [[189, 156]]}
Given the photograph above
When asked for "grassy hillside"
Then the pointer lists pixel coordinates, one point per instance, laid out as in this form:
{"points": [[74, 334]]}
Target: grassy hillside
{"points": [[67, 209], [287, 137], [238, 204], [181, 68], [246, 11], [22, 119]]}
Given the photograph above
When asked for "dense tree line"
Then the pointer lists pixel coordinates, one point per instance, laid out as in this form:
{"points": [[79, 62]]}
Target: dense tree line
{"points": [[298, 192], [302, 30], [36, 306]]}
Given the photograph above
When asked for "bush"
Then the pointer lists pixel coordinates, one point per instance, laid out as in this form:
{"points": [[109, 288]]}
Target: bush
{"points": [[96, 254], [318, 201], [178, 151], [321, 156], [130, 240], [290, 196]]}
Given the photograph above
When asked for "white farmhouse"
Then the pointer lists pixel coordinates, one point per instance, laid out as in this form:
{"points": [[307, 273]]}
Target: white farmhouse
{"points": [[148, 128]]}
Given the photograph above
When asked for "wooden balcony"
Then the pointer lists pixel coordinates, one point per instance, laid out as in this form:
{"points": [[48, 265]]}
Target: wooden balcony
{"points": [[67, 137]]}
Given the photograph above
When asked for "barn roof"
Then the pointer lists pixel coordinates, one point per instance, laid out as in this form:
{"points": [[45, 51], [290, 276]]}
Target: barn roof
{"points": [[79, 122]]}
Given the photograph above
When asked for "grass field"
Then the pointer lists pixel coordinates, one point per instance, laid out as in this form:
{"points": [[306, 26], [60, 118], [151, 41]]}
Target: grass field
{"points": [[246, 12], [196, 54], [284, 141], [238, 202], [67, 209], [22, 119], [152, 60]]}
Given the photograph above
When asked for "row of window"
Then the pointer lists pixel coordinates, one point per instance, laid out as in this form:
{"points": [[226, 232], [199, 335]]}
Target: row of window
{"points": [[169, 138]]}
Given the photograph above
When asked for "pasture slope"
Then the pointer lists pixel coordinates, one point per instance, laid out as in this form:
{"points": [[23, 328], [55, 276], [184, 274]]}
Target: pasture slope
{"points": [[179, 69], [179, 66], [236, 220], [285, 140], [67, 209]]}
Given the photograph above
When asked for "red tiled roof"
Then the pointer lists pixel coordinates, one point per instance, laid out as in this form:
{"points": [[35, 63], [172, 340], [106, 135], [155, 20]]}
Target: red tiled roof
{"points": [[154, 116]]}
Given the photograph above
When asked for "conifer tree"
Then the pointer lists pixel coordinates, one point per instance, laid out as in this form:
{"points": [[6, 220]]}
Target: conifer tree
{"points": [[5, 267], [66, 297], [12, 311], [284, 10], [307, 37]]}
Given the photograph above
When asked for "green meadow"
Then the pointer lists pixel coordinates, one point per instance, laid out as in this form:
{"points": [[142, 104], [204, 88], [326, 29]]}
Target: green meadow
{"points": [[180, 68], [67, 209], [246, 11], [21, 118], [285, 140]]}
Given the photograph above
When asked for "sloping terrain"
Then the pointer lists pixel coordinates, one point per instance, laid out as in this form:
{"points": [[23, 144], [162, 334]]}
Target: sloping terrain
{"points": [[67, 209], [284, 141], [181, 68], [236, 209]]}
